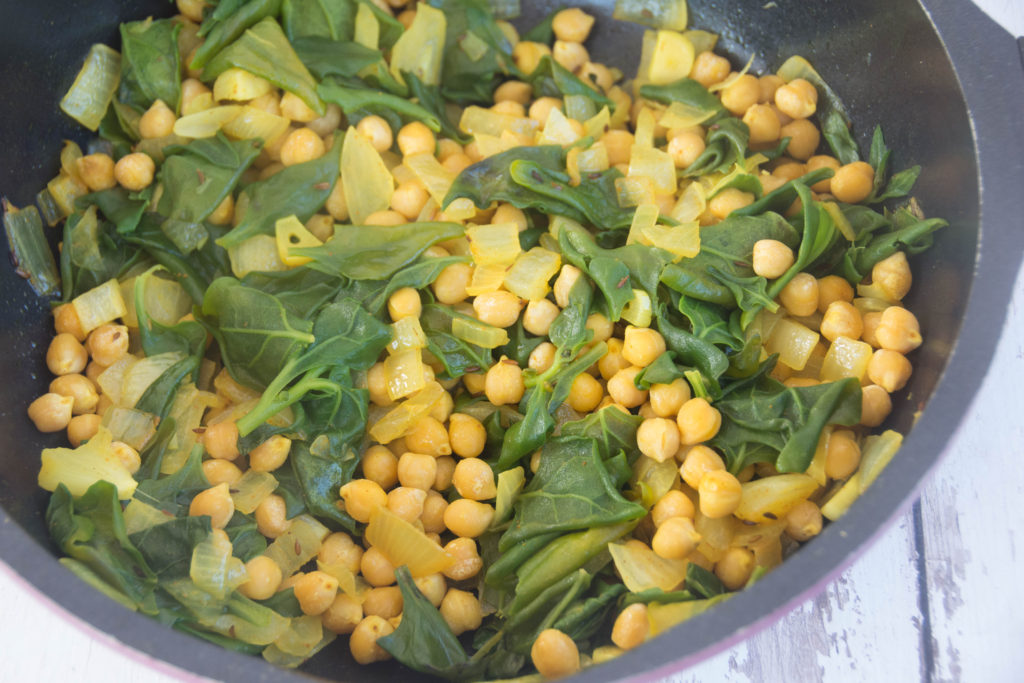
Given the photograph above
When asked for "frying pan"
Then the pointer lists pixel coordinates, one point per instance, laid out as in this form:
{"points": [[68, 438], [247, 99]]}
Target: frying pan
{"points": [[944, 80]]}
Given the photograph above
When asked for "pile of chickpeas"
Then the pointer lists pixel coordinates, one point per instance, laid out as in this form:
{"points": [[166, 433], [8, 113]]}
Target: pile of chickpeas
{"points": [[412, 476]]}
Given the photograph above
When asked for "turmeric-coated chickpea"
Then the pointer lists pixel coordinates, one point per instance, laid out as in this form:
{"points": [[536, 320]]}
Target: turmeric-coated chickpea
{"points": [[433, 587], [264, 577], [315, 592], [270, 454], [108, 343], [343, 615], [889, 369], [527, 55], [225, 212], [728, 200], [467, 559], [698, 421], [417, 470], [328, 123], [709, 69], [697, 462], [804, 521], [474, 479], [416, 138], [406, 17], [405, 303], [80, 389], [585, 393], [672, 504], [658, 438], [134, 171], [468, 518], [503, 384], [474, 382], [822, 161], [892, 275], [509, 108], [221, 471], [409, 199], [461, 611], [432, 516], [376, 568], [363, 640], [720, 492], [667, 399], [514, 91], [406, 502], [554, 654], [362, 497], [876, 404], [542, 357], [541, 108], [157, 122], [272, 516], [841, 319], [294, 109], [763, 123], [842, 455], [619, 145], [384, 218], [570, 55], [65, 321], [804, 138], [300, 146], [380, 465], [684, 148], [51, 412], [572, 24], [623, 390], [336, 204], [65, 355], [612, 361], [385, 602], [538, 316], [742, 94], [769, 84], [735, 567], [428, 436], [631, 626], [800, 295], [601, 326], [466, 435], [450, 285], [833, 288], [898, 330], [214, 502], [96, 171], [797, 99], [339, 548], [641, 346], [377, 385], [595, 74], [789, 170], [499, 308], [852, 183], [377, 131], [221, 440], [676, 538], [564, 283], [771, 258], [871, 320], [81, 428]]}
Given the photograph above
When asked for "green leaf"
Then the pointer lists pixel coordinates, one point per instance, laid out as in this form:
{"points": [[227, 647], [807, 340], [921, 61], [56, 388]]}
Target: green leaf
{"points": [[361, 102], [150, 67], [174, 492], [727, 141], [159, 396], [227, 23], [119, 206], [551, 79], [168, 546], [611, 429], [330, 19], [684, 91], [325, 57], [463, 78]]}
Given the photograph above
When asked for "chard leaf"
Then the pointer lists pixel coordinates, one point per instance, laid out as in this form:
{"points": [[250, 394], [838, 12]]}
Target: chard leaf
{"points": [[610, 428], [727, 141], [330, 19], [168, 546], [360, 102], [551, 79], [227, 23], [326, 57], [684, 91], [150, 67], [464, 79]]}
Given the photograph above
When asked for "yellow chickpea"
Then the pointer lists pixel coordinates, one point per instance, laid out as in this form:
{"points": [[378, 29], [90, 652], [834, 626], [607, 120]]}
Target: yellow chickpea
{"points": [[474, 479], [51, 412], [134, 171], [797, 99], [514, 91], [363, 641], [842, 455], [541, 108], [271, 454], [871, 320], [377, 131], [385, 217], [466, 435], [729, 200], [675, 538], [380, 465], [698, 461], [804, 139], [385, 602], [804, 521], [672, 504], [81, 428], [328, 123], [876, 404], [417, 470], [527, 55], [623, 390], [763, 124], [598, 75], [898, 330], [221, 471], [585, 393], [641, 346], [65, 355], [888, 369], [769, 84], [474, 382], [698, 421], [822, 161], [416, 138], [294, 109], [271, 516], [96, 171], [567, 277], [571, 55], [658, 438], [300, 146], [735, 567], [667, 399], [467, 559], [684, 148], [315, 592], [500, 308], [432, 516], [377, 385], [892, 275], [428, 436], [343, 615], [468, 518], [108, 343], [631, 626], [450, 285], [376, 568], [336, 205], [572, 24], [554, 654], [833, 288], [800, 295], [80, 389], [65, 321], [263, 578], [461, 611], [409, 199], [216, 503], [433, 587], [157, 122], [405, 303], [771, 258], [221, 440], [339, 548], [128, 456], [709, 68], [406, 502], [720, 493], [841, 319], [538, 316], [362, 497], [504, 383], [619, 145], [742, 94], [612, 361], [852, 182]]}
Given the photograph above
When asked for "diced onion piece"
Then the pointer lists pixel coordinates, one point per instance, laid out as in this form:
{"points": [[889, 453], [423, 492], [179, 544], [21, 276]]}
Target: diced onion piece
{"points": [[460, 209], [399, 420], [656, 165], [206, 123], [303, 635], [420, 49], [253, 122], [139, 516], [64, 190], [489, 145], [366, 31], [99, 305], [189, 406], [643, 138], [846, 358], [661, 618], [291, 233], [877, 452], [111, 379], [407, 334], [681, 115], [579, 107], [682, 241], [256, 254], [557, 130], [435, 177], [298, 545], [474, 46], [367, 183], [510, 483], [692, 203], [771, 498], [352, 585], [634, 191], [80, 468], [703, 41], [214, 569], [642, 569], [529, 276], [594, 159], [200, 102], [496, 244], [476, 120], [597, 124], [657, 13], [868, 303], [476, 332], [405, 373], [130, 426], [716, 534], [70, 153], [646, 216], [94, 87], [654, 479], [486, 279], [793, 342], [239, 85], [402, 543], [249, 491], [165, 300], [139, 376], [672, 58], [763, 324], [639, 310], [816, 470]]}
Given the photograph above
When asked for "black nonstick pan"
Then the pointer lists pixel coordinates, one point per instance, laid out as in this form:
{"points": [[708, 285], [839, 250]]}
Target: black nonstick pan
{"points": [[943, 79]]}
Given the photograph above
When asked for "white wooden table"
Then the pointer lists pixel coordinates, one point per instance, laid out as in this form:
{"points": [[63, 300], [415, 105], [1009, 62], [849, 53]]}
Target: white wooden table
{"points": [[937, 598]]}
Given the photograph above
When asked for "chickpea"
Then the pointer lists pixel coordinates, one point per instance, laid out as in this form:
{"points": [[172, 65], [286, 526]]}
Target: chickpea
{"points": [[619, 145], [658, 438], [384, 218], [432, 516], [272, 516], [742, 94], [93, 371], [698, 421], [290, 581], [804, 138], [800, 295], [852, 183], [417, 470], [763, 123], [466, 435], [467, 559], [450, 285], [362, 497], [585, 393], [343, 615], [698, 461], [65, 355], [623, 390], [538, 317], [97, 172], [527, 55], [271, 454], [735, 567], [567, 277], [428, 436], [500, 308], [542, 357], [157, 122], [729, 200], [540, 110], [433, 587], [888, 369], [457, 163], [474, 382], [871, 320], [294, 109], [772, 258], [376, 568], [108, 343], [598, 75], [612, 361], [822, 161], [316, 592], [554, 654], [572, 25], [380, 465], [876, 404], [328, 123], [514, 91], [631, 626], [570, 55], [51, 412], [221, 472], [377, 385], [264, 577], [363, 641], [769, 84], [338, 548], [225, 212], [720, 493], [377, 131], [641, 346], [898, 330], [336, 205], [504, 383], [216, 503], [833, 288], [709, 69], [804, 521], [474, 479], [667, 399], [134, 171], [409, 199], [81, 428], [406, 17], [416, 138], [405, 303], [406, 502], [841, 319], [797, 99], [221, 440], [80, 389], [300, 146], [684, 148], [461, 610], [128, 456], [383, 602], [672, 504], [468, 518], [675, 538]]}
